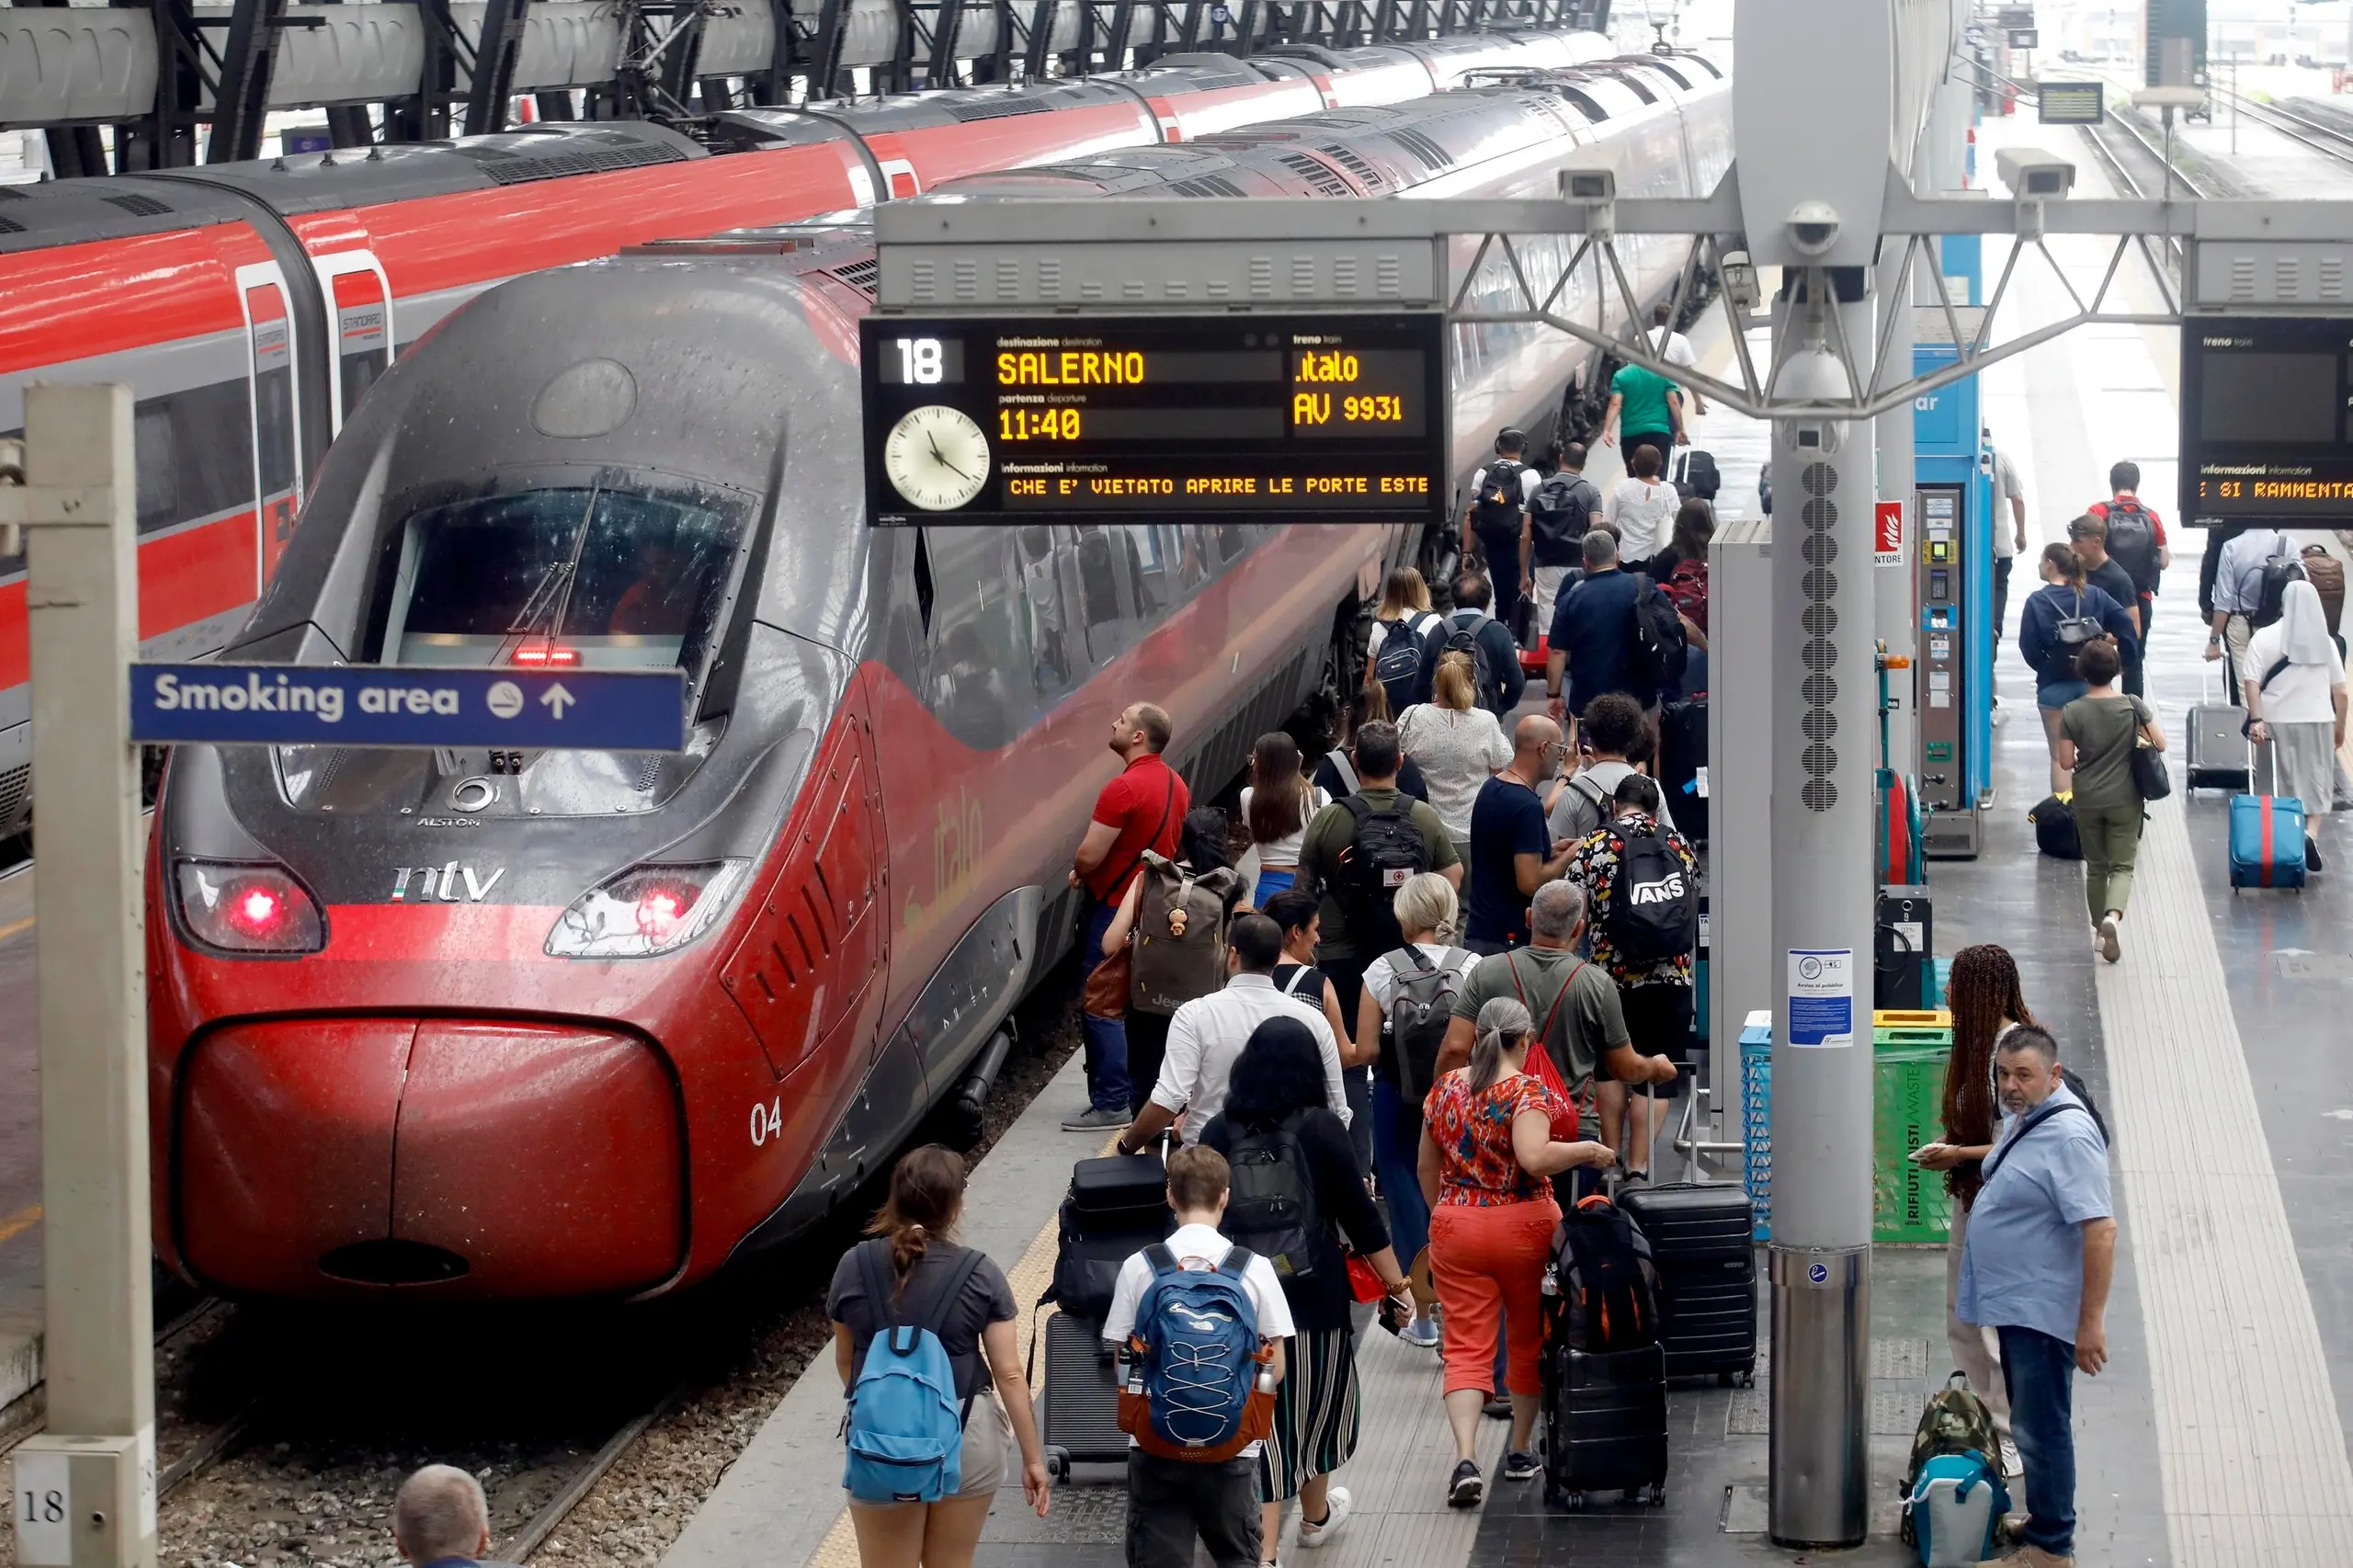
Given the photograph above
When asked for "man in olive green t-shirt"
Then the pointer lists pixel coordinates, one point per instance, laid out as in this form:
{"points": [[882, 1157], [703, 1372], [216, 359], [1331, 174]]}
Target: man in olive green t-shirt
{"points": [[1342, 952]]}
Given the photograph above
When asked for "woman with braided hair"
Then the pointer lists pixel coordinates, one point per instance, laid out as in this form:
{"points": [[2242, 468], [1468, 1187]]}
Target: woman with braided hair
{"points": [[1986, 1002]]}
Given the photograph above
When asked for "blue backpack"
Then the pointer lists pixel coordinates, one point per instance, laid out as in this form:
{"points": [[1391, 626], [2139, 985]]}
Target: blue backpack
{"points": [[1192, 1392], [1954, 1509], [906, 1425]]}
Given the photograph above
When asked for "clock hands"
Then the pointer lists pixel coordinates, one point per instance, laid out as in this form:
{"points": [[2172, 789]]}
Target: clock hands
{"points": [[941, 458]]}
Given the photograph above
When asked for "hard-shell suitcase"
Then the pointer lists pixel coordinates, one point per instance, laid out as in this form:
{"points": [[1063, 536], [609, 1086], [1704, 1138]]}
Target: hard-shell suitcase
{"points": [[1701, 1243], [2218, 756], [1682, 765], [2267, 842], [1604, 1424], [1078, 1417]]}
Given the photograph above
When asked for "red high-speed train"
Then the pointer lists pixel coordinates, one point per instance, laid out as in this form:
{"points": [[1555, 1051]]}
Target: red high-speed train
{"points": [[513, 1024], [249, 305]]}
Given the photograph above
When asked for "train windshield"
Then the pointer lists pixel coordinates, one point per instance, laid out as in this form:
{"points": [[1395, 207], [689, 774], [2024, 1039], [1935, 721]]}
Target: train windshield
{"points": [[587, 577]]}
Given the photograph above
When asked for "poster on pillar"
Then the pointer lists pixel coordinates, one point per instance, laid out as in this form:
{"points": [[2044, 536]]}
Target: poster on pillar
{"points": [[1821, 997], [1887, 533]]}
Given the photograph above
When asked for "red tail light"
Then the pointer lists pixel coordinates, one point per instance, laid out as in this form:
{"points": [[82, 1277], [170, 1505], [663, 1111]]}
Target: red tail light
{"points": [[547, 655], [247, 908]]}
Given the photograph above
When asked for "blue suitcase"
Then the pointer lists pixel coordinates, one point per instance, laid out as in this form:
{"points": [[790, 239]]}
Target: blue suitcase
{"points": [[2267, 842]]}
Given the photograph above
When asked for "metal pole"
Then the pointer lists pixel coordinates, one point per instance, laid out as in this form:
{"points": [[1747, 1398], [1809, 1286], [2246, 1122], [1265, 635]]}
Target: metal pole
{"points": [[88, 1483], [1824, 734]]}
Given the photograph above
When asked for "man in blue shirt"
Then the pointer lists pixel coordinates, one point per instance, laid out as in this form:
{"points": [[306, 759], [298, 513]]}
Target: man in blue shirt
{"points": [[1472, 594], [1511, 847], [2034, 1268], [1593, 632]]}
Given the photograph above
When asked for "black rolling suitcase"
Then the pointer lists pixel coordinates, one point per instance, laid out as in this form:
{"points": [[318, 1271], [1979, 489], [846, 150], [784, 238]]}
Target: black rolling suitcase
{"points": [[1682, 757], [1604, 1424], [1118, 1204], [1700, 1244]]}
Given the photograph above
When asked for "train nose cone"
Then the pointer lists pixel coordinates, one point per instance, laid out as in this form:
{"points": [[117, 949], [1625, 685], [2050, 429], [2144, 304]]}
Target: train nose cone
{"points": [[328, 1156]]}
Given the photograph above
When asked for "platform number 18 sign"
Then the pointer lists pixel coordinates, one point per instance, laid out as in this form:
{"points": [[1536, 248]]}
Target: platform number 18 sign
{"points": [[44, 1498]]}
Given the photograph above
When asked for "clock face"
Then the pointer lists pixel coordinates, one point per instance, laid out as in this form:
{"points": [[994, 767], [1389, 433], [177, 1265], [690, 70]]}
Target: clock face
{"points": [[937, 458]]}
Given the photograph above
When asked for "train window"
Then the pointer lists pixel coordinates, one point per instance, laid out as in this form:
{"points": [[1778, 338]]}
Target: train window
{"points": [[193, 450], [1187, 547], [596, 577], [1041, 590], [1098, 592], [1147, 569], [1232, 540], [274, 401], [364, 346], [984, 651]]}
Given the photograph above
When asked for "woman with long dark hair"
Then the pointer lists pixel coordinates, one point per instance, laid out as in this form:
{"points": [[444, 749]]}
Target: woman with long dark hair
{"points": [[900, 1277], [1200, 846], [1278, 804], [1487, 1153], [1986, 1002], [1276, 1115]]}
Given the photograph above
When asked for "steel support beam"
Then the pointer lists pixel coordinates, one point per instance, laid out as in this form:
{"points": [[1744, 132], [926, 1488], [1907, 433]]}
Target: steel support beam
{"points": [[242, 96], [496, 52]]}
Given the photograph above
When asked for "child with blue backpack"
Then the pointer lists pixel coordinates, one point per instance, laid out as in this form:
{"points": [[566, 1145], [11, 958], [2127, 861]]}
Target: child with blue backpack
{"points": [[922, 1330], [1202, 1323]]}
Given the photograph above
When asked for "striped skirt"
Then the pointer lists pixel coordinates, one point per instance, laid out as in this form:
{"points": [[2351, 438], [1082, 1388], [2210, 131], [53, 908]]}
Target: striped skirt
{"points": [[1315, 1413]]}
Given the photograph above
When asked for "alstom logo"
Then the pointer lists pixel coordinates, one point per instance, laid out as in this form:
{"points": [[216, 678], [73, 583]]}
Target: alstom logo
{"points": [[1667, 891]]}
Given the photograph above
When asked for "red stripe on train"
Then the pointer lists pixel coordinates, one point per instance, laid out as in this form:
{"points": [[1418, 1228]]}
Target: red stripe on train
{"points": [[185, 577]]}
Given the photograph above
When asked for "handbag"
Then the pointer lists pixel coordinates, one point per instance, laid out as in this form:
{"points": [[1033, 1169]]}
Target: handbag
{"points": [[1106, 994], [2149, 774]]}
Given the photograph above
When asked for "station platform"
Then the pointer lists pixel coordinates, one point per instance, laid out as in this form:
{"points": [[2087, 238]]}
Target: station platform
{"points": [[20, 1259]]}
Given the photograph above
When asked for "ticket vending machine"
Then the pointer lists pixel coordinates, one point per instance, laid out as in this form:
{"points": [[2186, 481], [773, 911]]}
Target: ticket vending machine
{"points": [[1953, 564]]}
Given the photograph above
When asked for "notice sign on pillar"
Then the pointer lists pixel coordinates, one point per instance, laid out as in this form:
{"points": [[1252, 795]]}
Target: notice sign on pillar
{"points": [[1821, 997], [1887, 533]]}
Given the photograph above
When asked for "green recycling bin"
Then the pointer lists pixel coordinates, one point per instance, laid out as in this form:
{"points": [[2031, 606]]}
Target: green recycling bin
{"points": [[1908, 1203]]}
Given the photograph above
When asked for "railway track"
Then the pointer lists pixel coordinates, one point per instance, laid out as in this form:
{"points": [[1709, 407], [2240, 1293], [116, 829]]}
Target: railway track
{"points": [[2308, 130]]}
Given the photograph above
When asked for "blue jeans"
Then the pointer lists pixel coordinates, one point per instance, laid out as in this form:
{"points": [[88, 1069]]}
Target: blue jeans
{"points": [[1106, 1038], [2039, 1372], [1396, 1154]]}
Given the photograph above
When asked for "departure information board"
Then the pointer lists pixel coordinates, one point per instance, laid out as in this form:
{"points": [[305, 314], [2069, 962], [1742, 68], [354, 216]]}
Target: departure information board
{"points": [[2266, 419], [1311, 419]]}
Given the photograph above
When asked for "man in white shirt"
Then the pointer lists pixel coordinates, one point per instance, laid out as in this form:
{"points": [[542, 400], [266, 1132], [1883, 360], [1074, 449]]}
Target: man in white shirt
{"points": [[2238, 583], [1171, 1503], [2009, 533], [1675, 349], [1208, 1033]]}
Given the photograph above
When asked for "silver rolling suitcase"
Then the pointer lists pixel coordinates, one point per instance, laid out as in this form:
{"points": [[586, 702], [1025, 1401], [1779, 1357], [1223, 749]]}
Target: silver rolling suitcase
{"points": [[2217, 754]]}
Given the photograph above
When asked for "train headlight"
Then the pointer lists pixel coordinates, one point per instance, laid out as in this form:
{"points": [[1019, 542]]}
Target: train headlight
{"points": [[646, 911], [247, 908]]}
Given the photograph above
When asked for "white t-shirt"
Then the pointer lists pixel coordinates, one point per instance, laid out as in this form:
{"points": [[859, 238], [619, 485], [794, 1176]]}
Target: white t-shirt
{"points": [[1200, 1247], [1529, 483], [1673, 348], [1380, 975], [1417, 625], [1457, 752], [1284, 853], [2301, 694], [1574, 813], [1644, 511], [2005, 522]]}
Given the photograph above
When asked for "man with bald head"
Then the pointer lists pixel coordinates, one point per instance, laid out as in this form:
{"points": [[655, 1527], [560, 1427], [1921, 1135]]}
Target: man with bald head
{"points": [[439, 1518], [1511, 847]]}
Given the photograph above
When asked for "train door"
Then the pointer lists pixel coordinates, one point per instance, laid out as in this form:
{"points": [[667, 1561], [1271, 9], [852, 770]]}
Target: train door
{"points": [[277, 417], [360, 295]]}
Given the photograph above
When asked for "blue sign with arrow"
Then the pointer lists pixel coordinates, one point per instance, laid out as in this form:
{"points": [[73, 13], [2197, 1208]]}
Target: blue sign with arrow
{"points": [[361, 705]]}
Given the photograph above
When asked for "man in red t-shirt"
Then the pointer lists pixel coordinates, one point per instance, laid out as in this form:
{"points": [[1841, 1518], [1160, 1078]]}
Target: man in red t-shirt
{"points": [[2143, 559], [1140, 809]]}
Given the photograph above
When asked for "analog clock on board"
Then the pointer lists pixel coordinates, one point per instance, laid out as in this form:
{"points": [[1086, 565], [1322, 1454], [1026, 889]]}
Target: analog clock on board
{"points": [[937, 458]]}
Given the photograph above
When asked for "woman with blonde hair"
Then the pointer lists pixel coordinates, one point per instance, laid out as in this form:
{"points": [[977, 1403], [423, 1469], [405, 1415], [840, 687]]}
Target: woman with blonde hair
{"points": [[912, 1274], [1405, 612], [1459, 744]]}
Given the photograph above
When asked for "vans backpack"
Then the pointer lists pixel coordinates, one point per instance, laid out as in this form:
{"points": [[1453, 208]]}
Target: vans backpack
{"points": [[905, 1425], [1384, 851], [1463, 637], [1192, 1389], [1653, 907], [1270, 1202], [1660, 651], [1602, 1286], [1559, 514], [1418, 1017], [1398, 665], [1497, 506], [1179, 934], [2132, 542]]}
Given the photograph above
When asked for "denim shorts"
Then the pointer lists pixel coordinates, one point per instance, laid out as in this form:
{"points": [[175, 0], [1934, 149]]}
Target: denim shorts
{"points": [[2059, 693]]}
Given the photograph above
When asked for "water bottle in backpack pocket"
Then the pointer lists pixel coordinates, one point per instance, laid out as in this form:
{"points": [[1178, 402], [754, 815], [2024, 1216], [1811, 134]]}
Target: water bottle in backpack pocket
{"points": [[1193, 1391], [904, 1427]]}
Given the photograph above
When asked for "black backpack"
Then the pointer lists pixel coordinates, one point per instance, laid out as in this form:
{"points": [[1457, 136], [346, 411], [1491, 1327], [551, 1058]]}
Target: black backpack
{"points": [[1660, 650], [1270, 1202], [2271, 584], [1398, 665], [1499, 503], [1384, 851], [1604, 1295], [1558, 515], [2132, 542], [2055, 832], [1653, 905], [1696, 474], [1463, 638], [1419, 1015]]}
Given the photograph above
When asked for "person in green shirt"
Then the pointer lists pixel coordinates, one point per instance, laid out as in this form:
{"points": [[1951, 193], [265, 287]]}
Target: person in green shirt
{"points": [[2098, 734], [1356, 926], [1648, 409]]}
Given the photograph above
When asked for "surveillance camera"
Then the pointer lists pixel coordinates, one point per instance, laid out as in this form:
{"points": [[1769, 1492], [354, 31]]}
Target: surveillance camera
{"points": [[1590, 186], [1738, 275], [2034, 174], [1813, 228], [1815, 437]]}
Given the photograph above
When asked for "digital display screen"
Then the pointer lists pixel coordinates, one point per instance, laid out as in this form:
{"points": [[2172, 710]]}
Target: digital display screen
{"points": [[1336, 419], [2264, 403]]}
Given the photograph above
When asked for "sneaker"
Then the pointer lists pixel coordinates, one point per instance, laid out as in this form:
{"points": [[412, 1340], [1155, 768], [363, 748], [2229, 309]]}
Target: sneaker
{"points": [[2011, 1463], [2111, 946], [1313, 1534], [1422, 1332], [1465, 1490], [1098, 1119], [1522, 1465]]}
